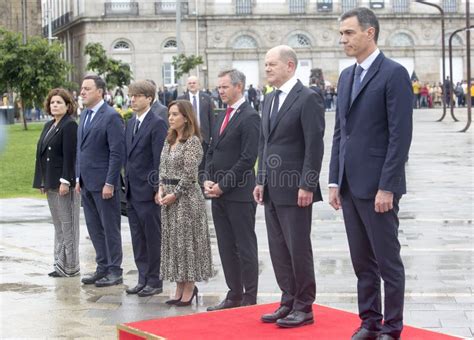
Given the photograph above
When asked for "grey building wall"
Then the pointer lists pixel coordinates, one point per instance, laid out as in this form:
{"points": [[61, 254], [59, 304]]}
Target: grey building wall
{"points": [[146, 26]]}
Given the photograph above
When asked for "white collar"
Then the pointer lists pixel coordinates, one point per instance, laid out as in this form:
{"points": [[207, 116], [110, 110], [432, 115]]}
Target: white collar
{"points": [[237, 104], [97, 106], [290, 83], [142, 117], [369, 60]]}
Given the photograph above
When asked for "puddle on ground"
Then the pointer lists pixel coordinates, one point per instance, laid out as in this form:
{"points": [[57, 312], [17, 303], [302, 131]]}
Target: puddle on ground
{"points": [[22, 287]]}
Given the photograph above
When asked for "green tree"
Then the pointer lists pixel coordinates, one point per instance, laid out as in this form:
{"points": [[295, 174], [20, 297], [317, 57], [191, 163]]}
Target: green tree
{"points": [[31, 70], [182, 64], [115, 72]]}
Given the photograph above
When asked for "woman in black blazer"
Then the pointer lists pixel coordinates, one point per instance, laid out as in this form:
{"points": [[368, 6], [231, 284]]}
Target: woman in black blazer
{"points": [[55, 177]]}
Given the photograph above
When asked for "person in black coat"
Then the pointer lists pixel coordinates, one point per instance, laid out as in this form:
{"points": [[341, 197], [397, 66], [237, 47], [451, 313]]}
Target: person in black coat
{"points": [[230, 182], [55, 177]]}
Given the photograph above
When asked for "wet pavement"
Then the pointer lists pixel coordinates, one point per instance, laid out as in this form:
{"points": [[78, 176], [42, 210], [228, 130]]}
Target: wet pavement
{"points": [[436, 236]]}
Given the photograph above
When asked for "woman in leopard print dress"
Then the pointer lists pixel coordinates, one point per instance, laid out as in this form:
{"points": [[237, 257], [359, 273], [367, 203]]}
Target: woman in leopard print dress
{"points": [[185, 241]]}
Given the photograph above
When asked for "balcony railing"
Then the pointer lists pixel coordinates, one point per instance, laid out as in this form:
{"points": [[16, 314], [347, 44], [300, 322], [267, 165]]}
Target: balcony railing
{"points": [[297, 6], [58, 23], [347, 5], [401, 6], [243, 7], [324, 6], [121, 8], [169, 8]]}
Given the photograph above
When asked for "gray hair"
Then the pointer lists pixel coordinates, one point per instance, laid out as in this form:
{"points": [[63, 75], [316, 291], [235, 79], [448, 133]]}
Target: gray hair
{"points": [[236, 77], [365, 17]]}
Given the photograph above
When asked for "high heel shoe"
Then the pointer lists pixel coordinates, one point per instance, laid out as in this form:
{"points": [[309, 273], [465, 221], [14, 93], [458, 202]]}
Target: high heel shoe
{"points": [[187, 303], [173, 301]]}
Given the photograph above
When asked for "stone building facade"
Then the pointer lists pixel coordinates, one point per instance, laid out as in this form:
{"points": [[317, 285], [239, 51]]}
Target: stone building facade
{"points": [[12, 17], [237, 33]]}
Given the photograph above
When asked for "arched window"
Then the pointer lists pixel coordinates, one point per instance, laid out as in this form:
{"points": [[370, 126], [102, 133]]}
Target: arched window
{"points": [[299, 41], [121, 46], [170, 44], [245, 41], [402, 40]]}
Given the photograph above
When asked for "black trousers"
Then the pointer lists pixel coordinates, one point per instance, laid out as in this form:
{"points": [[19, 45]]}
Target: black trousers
{"points": [[145, 227], [235, 230], [375, 254], [289, 239]]}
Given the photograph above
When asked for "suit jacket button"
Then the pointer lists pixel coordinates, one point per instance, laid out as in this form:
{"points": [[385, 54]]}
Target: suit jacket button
{"points": [[47, 159], [347, 137], [49, 148]]}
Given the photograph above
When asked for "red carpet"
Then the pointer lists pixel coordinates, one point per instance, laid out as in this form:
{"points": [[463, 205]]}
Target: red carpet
{"points": [[244, 323]]}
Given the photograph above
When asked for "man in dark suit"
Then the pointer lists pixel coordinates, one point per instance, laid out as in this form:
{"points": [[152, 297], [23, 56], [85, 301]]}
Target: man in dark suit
{"points": [[372, 136], [144, 138], [100, 156], [159, 108], [290, 155], [230, 172], [203, 106]]}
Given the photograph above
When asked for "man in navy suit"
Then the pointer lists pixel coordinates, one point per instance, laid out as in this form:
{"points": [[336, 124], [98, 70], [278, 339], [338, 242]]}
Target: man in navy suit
{"points": [[290, 154], [203, 107], [372, 136], [144, 137], [100, 156], [231, 178]]}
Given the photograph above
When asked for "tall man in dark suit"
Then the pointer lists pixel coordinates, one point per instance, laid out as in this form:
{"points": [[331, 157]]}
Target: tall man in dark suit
{"points": [[100, 156], [290, 155], [159, 108], [144, 138], [203, 106], [231, 179], [372, 136]]}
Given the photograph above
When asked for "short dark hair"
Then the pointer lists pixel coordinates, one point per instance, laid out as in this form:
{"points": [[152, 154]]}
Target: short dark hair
{"points": [[65, 95], [365, 17], [99, 82]]}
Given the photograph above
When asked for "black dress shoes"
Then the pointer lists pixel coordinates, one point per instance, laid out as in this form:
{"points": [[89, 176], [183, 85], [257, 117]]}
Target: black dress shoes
{"points": [[365, 334], [149, 291], [109, 280], [135, 289], [280, 313], [54, 274], [296, 319], [247, 303], [92, 278], [226, 304], [387, 337]]}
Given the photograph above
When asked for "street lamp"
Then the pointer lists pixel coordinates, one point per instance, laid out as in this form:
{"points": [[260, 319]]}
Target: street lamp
{"points": [[468, 56], [443, 51], [451, 62]]}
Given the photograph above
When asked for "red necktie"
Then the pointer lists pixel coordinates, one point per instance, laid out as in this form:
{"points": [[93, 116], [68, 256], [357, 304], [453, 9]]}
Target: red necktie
{"points": [[226, 119]]}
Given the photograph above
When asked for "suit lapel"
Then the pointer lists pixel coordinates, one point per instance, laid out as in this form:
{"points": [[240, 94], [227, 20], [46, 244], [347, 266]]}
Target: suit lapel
{"points": [[45, 138], [95, 121], [231, 122], [130, 126], [266, 113], [373, 69], [289, 100], [145, 125]]}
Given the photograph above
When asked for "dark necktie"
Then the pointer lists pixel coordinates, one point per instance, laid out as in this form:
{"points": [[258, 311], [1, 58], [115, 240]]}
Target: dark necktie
{"points": [[226, 119], [136, 127], [356, 82], [88, 120], [274, 113]]}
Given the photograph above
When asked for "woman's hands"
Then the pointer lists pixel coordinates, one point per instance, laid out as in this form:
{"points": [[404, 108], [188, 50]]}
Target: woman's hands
{"points": [[164, 200]]}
